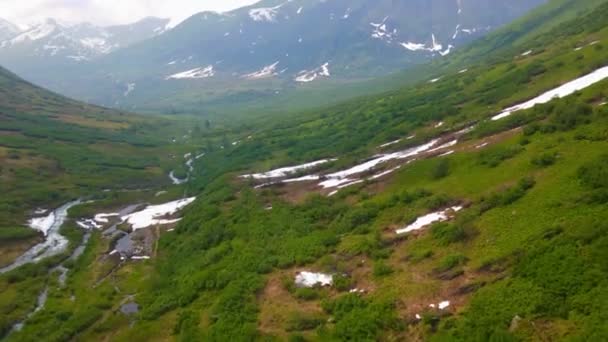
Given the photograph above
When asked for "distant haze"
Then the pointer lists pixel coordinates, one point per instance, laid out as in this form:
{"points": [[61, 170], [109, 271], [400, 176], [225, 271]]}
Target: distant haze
{"points": [[109, 12]]}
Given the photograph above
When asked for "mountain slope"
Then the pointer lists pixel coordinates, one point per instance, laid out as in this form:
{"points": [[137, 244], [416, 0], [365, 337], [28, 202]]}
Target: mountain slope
{"points": [[52, 44], [516, 253], [53, 149], [268, 49]]}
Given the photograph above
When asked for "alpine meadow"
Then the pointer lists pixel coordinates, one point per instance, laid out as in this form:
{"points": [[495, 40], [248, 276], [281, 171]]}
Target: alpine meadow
{"points": [[307, 170]]}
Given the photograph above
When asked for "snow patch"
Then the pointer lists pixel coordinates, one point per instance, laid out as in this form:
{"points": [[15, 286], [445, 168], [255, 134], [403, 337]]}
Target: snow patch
{"points": [[426, 220], [137, 257], [302, 179], [309, 279], [35, 33], [390, 143], [341, 177], [385, 173], [266, 14], [153, 214], [130, 88], [42, 224], [305, 76], [103, 218], [382, 32], [194, 73], [286, 171], [559, 92], [347, 13], [265, 72], [434, 47]]}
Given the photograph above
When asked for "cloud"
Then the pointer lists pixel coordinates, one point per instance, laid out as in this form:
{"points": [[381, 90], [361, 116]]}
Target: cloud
{"points": [[110, 12]]}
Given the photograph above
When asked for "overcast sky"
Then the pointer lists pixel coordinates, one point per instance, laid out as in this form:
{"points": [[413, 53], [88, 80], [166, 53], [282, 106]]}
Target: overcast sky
{"points": [[108, 12]]}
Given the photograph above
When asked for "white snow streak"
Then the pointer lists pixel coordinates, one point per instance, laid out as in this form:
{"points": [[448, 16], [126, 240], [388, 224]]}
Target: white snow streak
{"points": [[286, 171], [306, 76], [153, 214], [309, 279], [426, 220], [559, 92], [194, 73]]}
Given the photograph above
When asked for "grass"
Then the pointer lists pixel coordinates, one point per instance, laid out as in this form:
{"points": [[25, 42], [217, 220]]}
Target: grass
{"points": [[533, 241]]}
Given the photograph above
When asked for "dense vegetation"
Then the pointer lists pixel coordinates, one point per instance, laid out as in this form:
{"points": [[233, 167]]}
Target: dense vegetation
{"points": [[523, 260]]}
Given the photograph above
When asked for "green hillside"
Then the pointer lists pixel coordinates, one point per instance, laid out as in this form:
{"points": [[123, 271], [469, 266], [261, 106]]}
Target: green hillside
{"points": [[53, 149], [520, 256]]}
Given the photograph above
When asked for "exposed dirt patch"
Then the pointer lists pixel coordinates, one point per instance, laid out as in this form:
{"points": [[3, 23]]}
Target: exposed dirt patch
{"points": [[277, 304], [92, 122]]}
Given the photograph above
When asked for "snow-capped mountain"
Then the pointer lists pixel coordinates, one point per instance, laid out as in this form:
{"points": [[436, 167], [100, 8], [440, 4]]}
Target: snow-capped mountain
{"points": [[274, 45], [54, 42], [8, 30]]}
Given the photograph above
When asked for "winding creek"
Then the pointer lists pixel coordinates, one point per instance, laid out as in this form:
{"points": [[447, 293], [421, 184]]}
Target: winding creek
{"points": [[138, 216], [54, 243]]}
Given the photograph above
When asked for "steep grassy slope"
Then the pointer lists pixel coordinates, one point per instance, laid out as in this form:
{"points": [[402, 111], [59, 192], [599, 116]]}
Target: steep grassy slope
{"points": [[53, 149], [522, 261]]}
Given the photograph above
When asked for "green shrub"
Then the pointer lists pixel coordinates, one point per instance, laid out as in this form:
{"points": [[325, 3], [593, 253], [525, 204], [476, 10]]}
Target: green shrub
{"points": [[450, 262], [299, 321], [508, 196], [418, 256], [447, 233], [441, 169], [342, 283], [16, 233], [494, 157], [306, 293], [545, 159], [409, 197], [381, 269], [594, 175]]}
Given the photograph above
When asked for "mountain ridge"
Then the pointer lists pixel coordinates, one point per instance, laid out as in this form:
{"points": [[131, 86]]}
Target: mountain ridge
{"points": [[269, 48]]}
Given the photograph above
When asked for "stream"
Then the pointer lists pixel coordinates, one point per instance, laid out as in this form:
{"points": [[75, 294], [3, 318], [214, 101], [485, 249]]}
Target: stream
{"points": [[54, 243], [127, 244]]}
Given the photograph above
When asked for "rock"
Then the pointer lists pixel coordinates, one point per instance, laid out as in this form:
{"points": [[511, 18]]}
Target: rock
{"points": [[515, 323]]}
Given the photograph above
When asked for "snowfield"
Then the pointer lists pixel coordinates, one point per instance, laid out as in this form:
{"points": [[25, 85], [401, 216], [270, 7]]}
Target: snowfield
{"points": [[153, 214], [426, 220], [309, 279], [286, 171], [381, 32], [266, 14], [42, 224], [341, 175], [265, 72], [35, 33], [434, 47], [194, 73], [559, 92], [306, 76]]}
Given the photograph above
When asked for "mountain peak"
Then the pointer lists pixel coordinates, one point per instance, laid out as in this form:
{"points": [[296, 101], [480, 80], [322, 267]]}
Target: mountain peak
{"points": [[8, 30]]}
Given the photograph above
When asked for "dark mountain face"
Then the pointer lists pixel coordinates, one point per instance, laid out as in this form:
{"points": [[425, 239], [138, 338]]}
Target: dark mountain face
{"points": [[277, 45]]}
